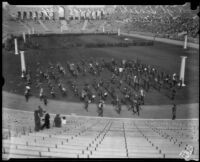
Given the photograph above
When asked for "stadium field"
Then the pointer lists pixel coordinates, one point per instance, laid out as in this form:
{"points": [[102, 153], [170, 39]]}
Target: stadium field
{"points": [[163, 56]]}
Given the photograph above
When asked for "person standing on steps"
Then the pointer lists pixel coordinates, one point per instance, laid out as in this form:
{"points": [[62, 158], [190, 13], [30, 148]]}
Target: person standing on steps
{"points": [[37, 121], [57, 121], [46, 121]]}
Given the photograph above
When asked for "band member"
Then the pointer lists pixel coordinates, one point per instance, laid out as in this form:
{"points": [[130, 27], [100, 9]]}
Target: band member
{"points": [[41, 94], [52, 92], [45, 100], [173, 93], [100, 108], [142, 96], [86, 104], [174, 112], [174, 79], [26, 94]]}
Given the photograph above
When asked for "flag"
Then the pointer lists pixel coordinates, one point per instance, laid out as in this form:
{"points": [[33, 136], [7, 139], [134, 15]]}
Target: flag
{"points": [[182, 33]]}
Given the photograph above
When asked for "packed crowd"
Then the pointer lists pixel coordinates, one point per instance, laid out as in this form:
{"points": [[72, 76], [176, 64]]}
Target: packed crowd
{"points": [[127, 84], [167, 21]]}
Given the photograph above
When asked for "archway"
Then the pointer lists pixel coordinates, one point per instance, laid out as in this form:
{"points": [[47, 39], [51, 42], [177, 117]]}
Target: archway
{"points": [[30, 15], [36, 16], [61, 12], [19, 15], [24, 15], [41, 16]]}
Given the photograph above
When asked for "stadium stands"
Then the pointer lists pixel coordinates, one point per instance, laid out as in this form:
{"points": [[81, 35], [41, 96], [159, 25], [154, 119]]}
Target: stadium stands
{"points": [[93, 137], [162, 21]]}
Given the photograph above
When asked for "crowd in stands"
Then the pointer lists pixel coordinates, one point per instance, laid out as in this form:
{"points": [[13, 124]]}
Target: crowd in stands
{"points": [[162, 21], [165, 21]]}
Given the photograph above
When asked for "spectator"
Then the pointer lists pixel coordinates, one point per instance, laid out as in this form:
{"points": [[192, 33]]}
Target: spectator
{"points": [[46, 121], [40, 111], [37, 120], [57, 121], [64, 120]]}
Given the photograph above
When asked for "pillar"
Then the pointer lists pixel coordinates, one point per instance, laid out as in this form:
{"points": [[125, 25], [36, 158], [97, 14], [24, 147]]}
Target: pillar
{"points": [[16, 48], [185, 42], [29, 31], [23, 66], [103, 29], [24, 37], [119, 32], [182, 70]]}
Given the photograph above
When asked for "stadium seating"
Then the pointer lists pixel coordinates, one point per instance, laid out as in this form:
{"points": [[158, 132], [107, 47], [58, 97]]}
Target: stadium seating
{"points": [[53, 25], [93, 137], [164, 21]]}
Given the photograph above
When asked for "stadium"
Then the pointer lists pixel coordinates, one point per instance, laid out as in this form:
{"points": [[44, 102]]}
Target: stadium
{"points": [[107, 81]]}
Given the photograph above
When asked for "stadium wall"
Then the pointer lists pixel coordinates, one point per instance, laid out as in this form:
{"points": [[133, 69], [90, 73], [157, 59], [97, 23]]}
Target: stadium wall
{"points": [[163, 40]]}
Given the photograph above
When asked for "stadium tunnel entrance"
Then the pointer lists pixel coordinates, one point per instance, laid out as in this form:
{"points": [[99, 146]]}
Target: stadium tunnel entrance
{"points": [[61, 13]]}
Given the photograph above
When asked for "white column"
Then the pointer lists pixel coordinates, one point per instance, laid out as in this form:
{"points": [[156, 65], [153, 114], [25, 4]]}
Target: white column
{"points": [[182, 70], [119, 32], [61, 28], [23, 66], [24, 37], [29, 31], [185, 42], [103, 29], [16, 48]]}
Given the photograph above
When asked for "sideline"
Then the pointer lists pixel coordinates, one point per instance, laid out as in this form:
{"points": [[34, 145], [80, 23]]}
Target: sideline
{"points": [[9, 109], [163, 40]]}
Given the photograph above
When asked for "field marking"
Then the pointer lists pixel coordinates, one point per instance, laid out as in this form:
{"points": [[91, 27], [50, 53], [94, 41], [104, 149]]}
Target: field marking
{"points": [[9, 109]]}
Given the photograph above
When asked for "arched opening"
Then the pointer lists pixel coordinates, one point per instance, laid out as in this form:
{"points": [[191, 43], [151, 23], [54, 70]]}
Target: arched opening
{"points": [[19, 15], [36, 15], [41, 16], [102, 14], [61, 12], [30, 15], [24, 15]]}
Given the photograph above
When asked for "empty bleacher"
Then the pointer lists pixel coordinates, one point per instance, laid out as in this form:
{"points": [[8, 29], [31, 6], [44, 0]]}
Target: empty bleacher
{"points": [[53, 25], [95, 137]]}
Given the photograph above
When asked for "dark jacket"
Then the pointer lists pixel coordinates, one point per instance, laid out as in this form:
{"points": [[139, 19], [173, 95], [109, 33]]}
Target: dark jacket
{"points": [[37, 120], [57, 121]]}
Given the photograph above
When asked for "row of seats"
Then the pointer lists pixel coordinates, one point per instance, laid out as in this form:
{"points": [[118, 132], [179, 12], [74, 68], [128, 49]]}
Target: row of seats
{"points": [[90, 137]]}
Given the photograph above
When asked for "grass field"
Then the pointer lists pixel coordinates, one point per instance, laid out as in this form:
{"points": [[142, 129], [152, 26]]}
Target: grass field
{"points": [[164, 56]]}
